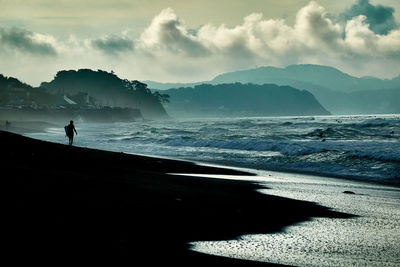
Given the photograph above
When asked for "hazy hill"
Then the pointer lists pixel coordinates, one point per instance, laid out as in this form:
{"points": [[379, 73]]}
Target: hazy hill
{"points": [[165, 86], [14, 92], [242, 100], [338, 92], [385, 101], [327, 77], [11, 82], [109, 89]]}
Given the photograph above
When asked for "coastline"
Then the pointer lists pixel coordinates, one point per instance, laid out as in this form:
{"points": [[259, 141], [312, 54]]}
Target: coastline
{"points": [[348, 178], [369, 239], [92, 205]]}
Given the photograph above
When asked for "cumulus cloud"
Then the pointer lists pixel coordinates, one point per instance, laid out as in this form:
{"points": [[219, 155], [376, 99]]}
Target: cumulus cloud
{"points": [[167, 50], [379, 18], [316, 38], [313, 28], [168, 32], [20, 40], [113, 44]]}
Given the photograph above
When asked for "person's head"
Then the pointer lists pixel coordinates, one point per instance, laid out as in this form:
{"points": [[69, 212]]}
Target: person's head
{"points": [[71, 122]]}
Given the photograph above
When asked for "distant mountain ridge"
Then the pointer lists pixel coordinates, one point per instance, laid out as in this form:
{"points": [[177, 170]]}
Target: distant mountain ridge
{"points": [[231, 100], [328, 77], [337, 91]]}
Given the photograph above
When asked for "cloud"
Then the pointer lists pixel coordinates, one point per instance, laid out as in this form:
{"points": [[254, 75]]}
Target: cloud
{"points": [[167, 50], [316, 38], [168, 32], [379, 18], [20, 40], [113, 44], [313, 28]]}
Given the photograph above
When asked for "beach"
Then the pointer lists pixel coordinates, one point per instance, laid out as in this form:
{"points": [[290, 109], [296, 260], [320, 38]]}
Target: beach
{"points": [[371, 238], [69, 204], [212, 133]]}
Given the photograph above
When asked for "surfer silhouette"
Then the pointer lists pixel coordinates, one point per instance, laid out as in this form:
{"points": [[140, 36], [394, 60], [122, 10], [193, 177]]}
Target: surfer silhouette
{"points": [[69, 131]]}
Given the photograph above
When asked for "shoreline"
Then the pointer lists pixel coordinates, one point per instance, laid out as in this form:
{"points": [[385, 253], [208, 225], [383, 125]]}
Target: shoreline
{"points": [[325, 241], [87, 204], [27, 127], [347, 178], [30, 127]]}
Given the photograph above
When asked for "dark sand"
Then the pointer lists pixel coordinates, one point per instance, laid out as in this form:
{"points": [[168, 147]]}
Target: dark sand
{"points": [[76, 205]]}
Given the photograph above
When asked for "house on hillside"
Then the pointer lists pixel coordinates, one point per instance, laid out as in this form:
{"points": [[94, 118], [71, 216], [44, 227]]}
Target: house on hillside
{"points": [[62, 101], [84, 100]]}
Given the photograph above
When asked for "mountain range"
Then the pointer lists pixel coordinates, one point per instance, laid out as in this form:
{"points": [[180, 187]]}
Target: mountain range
{"points": [[265, 91], [338, 92]]}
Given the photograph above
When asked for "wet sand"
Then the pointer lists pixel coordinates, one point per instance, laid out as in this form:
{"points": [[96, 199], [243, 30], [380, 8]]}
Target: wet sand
{"points": [[372, 238], [73, 204]]}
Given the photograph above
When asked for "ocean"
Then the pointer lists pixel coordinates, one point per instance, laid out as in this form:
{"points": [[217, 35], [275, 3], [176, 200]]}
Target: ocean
{"points": [[365, 148], [357, 149]]}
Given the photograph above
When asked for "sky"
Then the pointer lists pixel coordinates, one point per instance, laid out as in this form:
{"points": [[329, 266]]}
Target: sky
{"points": [[190, 41]]}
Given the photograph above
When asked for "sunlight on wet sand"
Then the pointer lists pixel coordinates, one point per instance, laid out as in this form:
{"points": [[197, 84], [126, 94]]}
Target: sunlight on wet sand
{"points": [[370, 239]]}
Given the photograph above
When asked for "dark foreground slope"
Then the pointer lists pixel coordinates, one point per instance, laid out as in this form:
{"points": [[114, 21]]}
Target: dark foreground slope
{"points": [[72, 204]]}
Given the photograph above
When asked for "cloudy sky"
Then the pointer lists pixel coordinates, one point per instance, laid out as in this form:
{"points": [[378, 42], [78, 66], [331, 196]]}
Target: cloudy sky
{"points": [[186, 40]]}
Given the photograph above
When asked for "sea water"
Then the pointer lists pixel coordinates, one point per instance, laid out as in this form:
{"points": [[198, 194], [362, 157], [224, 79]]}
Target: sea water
{"points": [[360, 149], [357, 147]]}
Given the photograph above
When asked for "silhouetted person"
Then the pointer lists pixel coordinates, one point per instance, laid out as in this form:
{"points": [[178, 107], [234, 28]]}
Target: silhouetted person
{"points": [[8, 124], [69, 131]]}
